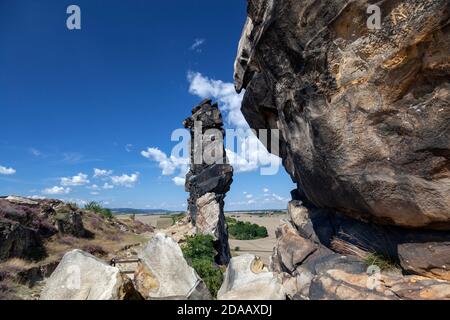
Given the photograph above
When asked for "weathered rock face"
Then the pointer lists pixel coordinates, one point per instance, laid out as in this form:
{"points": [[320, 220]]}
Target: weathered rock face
{"points": [[322, 255], [247, 278], [19, 241], [210, 176], [25, 223], [164, 273], [423, 252], [364, 114], [81, 276], [68, 220]]}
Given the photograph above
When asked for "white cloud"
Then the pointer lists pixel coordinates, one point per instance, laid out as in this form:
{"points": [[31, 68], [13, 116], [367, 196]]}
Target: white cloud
{"points": [[229, 101], [7, 171], [251, 201], [129, 147], [35, 152], [56, 190], [94, 187], [95, 193], [251, 153], [107, 186], [169, 165], [196, 46], [36, 197], [125, 180], [249, 196], [78, 180], [166, 164], [279, 198], [102, 173], [179, 181], [265, 190]]}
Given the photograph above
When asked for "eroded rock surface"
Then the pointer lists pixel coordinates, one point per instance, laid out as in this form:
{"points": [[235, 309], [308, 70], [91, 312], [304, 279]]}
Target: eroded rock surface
{"points": [[323, 255], [209, 177], [81, 276], [163, 273], [364, 114], [247, 278]]}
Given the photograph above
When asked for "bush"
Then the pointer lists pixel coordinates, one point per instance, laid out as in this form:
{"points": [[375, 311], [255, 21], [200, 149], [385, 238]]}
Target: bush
{"points": [[97, 208], [199, 246], [245, 230], [199, 251], [177, 217], [381, 261]]}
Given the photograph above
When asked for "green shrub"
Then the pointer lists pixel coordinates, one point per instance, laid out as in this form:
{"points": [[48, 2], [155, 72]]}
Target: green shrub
{"points": [[199, 247], [199, 251], [177, 217], [381, 261], [246, 230], [98, 208], [210, 274]]}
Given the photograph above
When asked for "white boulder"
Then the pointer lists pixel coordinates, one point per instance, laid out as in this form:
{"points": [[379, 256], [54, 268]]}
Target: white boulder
{"points": [[164, 273], [81, 276], [247, 278]]}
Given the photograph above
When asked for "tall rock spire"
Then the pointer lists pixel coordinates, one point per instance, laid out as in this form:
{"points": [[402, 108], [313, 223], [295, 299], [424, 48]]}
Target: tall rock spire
{"points": [[209, 177]]}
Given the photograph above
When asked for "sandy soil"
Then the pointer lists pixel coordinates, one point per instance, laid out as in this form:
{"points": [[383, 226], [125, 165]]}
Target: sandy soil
{"points": [[260, 247], [157, 221]]}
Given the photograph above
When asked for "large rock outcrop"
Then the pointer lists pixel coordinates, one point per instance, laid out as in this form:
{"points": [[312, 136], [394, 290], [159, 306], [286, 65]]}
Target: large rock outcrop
{"points": [[209, 177], [320, 256], [247, 278], [81, 276], [163, 273], [364, 114]]}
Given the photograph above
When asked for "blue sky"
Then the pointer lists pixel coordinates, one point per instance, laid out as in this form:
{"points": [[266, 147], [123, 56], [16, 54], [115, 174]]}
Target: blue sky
{"points": [[109, 96]]}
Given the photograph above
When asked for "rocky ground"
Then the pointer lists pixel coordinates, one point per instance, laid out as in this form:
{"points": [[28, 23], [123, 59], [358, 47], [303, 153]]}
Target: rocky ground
{"points": [[35, 235]]}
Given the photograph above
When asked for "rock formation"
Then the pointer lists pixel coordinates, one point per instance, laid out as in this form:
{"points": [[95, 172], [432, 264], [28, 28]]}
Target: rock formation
{"points": [[342, 269], [81, 276], [210, 176], [247, 278], [26, 223], [364, 114], [364, 119], [163, 273]]}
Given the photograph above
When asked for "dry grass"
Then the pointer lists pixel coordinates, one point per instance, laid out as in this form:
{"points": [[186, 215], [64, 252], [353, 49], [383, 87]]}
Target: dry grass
{"points": [[345, 247], [369, 258]]}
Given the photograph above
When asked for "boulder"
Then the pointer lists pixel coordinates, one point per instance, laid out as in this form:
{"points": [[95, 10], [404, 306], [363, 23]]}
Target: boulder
{"points": [[81, 276], [422, 252], [363, 113], [292, 249], [21, 200], [19, 241], [247, 278], [69, 221], [323, 255], [164, 273]]}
